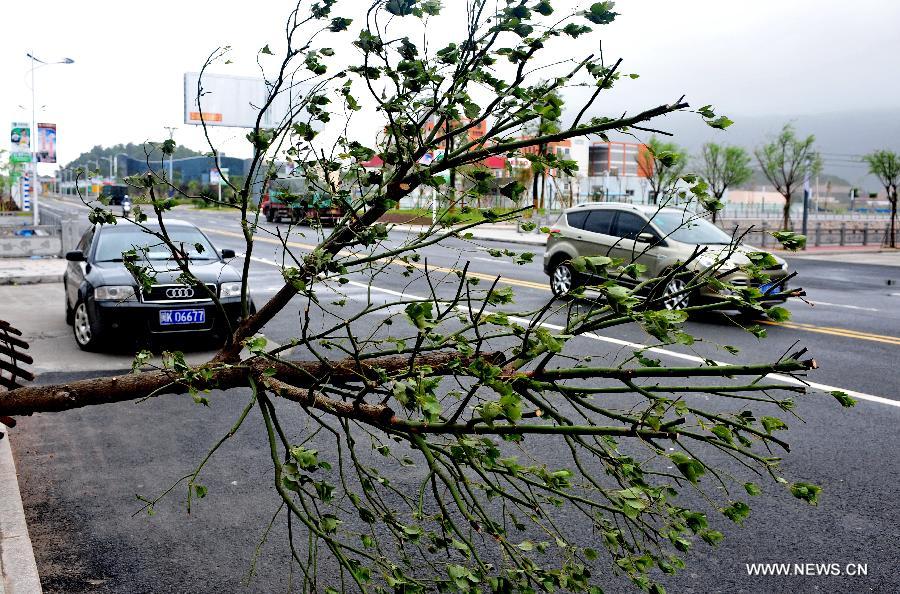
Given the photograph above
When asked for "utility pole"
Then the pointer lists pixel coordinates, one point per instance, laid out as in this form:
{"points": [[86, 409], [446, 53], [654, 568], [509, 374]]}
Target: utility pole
{"points": [[171, 130]]}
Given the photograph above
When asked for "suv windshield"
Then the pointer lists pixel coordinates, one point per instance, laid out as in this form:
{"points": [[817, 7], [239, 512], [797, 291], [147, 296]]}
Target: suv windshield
{"points": [[115, 240], [689, 228]]}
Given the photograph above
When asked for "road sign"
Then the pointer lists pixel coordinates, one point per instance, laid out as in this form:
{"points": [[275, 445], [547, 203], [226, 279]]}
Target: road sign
{"points": [[215, 179]]}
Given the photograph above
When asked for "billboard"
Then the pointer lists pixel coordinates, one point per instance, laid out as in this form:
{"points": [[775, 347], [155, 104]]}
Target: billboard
{"points": [[233, 101], [20, 141], [46, 147]]}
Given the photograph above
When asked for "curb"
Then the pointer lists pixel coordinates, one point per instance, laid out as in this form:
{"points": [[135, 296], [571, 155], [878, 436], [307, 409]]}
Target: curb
{"points": [[30, 279], [18, 568]]}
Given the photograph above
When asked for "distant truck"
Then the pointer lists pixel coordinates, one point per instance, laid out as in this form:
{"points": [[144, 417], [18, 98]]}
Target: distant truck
{"points": [[291, 200]]}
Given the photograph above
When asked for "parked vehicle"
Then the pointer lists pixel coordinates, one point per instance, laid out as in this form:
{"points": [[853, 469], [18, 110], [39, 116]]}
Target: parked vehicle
{"points": [[291, 200], [103, 298], [658, 238], [115, 194]]}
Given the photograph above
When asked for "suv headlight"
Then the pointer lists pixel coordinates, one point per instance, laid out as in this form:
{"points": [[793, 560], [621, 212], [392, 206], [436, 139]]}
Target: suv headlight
{"points": [[230, 290], [115, 293]]}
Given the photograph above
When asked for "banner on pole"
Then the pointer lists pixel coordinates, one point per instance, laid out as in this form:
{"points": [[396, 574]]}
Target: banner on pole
{"points": [[20, 141], [46, 143]]}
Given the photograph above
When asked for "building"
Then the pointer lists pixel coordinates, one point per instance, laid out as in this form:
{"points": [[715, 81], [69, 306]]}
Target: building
{"points": [[183, 170]]}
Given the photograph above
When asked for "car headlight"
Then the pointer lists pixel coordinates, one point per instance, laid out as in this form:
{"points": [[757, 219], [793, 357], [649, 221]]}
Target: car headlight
{"points": [[230, 290], [115, 293]]}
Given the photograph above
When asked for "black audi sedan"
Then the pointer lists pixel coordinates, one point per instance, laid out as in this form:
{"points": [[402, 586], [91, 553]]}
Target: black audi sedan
{"points": [[103, 299]]}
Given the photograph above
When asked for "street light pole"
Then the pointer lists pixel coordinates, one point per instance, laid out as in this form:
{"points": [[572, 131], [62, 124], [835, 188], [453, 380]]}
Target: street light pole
{"points": [[33, 135], [171, 130], [32, 142]]}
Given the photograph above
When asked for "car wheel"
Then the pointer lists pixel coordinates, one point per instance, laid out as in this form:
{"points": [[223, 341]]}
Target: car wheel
{"points": [[563, 279], [673, 295], [88, 333]]}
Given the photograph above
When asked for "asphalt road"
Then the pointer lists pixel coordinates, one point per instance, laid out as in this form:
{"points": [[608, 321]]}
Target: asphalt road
{"points": [[80, 470]]}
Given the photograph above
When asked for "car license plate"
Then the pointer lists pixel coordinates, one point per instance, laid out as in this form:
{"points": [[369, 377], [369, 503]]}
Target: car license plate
{"points": [[767, 289], [172, 317]]}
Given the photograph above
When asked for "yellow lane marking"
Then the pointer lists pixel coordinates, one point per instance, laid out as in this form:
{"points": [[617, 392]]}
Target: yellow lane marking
{"points": [[420, 266], [843, 332], [835, 332]]}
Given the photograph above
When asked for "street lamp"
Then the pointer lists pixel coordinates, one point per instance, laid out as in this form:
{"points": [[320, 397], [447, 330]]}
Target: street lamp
{"points": [[35, 190]]}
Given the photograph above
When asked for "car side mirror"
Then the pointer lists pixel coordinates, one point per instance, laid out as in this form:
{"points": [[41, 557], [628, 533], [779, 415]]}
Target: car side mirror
{"points": [[75, 256], [227, 254], [647, 238]]}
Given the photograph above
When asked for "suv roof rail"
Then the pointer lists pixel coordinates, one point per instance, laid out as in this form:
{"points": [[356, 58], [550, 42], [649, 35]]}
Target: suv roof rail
{"points": [[628, 204]]}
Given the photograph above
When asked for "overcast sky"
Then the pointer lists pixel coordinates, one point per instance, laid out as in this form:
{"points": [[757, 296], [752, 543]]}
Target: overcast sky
{"points": [[747, 58]]}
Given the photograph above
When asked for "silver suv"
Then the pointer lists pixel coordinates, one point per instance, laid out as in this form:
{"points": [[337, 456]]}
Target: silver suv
{"points": [[660, 239]]}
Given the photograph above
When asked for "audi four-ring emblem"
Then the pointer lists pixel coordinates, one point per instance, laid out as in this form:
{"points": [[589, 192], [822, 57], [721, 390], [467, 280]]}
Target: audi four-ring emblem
{"points": [[179, 292]]}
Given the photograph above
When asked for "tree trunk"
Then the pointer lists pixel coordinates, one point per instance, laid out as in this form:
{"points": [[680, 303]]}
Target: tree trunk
{"points": [[534, 191], [892, 241], [786, 216]]}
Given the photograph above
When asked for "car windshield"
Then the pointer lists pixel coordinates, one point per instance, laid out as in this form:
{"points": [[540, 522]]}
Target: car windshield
{"points": [[115, 240], [689, 228]]}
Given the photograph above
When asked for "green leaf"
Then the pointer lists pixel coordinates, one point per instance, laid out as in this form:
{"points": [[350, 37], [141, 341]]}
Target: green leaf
{"points": [[691, 468], [600, 13], [779, 314], [752, 489], [790, 240], [712, 537], [573, 30], [200, 491], [737, 512], [773, 424], [400, 7], [420, 315], [266, 50], [807, 492], [339, 24], [720, 123], [543, 7], [500, 296], [723, 433], [843, 398]]}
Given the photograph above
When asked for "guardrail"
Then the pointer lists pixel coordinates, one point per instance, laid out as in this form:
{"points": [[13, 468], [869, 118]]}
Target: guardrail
{"points": [[844, 233]]}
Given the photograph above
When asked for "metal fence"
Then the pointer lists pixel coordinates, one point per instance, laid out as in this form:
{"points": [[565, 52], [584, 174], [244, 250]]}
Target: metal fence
{"points": [[843, 233]]}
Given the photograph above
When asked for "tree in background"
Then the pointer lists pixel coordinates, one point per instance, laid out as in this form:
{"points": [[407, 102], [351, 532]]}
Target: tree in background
{"points": [[885, 165], [455, 440], [786, 162], [663, 164], [548, 122], [723, 167], [142, 151]]}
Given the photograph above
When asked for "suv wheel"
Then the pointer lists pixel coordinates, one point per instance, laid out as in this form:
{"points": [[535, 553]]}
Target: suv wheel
{"points": [[563, 279], [673, 296], [87, 332]]}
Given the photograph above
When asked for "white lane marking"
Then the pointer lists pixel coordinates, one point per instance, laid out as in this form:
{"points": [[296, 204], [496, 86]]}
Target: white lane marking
{"points": [[786, 379], [826, 303]]}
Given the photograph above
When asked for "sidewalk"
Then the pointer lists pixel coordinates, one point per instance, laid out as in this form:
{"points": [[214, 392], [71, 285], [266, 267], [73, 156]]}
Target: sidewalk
{"points": [[502, 233], [848, 254], [29, 271]]}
